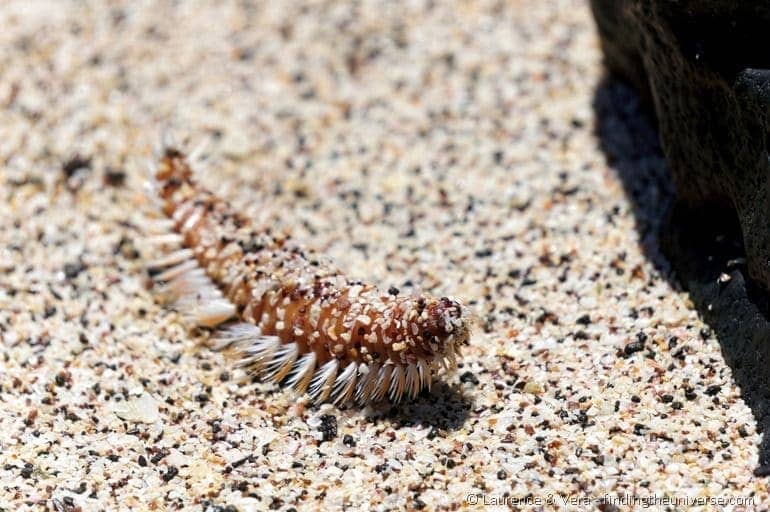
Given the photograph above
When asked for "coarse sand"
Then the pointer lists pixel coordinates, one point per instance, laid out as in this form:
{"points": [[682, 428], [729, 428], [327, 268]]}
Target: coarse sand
{"points": [[450, 147]]}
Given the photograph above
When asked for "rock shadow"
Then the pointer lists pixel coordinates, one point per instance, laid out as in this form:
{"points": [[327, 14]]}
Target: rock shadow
{"points": [[700, 251]]}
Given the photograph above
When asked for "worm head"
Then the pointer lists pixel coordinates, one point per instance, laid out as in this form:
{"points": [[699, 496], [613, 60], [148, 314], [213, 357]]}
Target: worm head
{"points": [[443, 327]]}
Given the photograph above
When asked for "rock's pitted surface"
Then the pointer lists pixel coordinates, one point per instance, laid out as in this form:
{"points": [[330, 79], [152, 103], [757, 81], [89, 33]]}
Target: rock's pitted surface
{"points": [[704, 67]]}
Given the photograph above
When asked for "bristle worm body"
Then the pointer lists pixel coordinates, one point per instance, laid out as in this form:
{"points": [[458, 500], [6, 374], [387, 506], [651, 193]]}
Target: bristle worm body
{"points": [[288, 316]]}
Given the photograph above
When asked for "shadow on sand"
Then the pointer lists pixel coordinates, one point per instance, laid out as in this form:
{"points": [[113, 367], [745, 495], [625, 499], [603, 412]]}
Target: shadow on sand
{"points": [[445, 408], [692, 249]]}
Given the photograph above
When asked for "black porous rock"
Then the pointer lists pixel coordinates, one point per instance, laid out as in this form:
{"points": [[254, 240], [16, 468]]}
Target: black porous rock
{"points": [[703, 66]]}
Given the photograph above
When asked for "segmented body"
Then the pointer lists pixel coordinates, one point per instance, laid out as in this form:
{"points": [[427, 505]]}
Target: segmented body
{"points": [[295, 319]]}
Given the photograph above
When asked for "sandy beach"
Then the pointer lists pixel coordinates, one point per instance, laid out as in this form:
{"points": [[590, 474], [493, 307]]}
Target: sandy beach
{"points": [[471, 149]]}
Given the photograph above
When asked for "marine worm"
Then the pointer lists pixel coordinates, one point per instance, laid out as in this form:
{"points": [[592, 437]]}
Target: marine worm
{"points": [[285, 314]]}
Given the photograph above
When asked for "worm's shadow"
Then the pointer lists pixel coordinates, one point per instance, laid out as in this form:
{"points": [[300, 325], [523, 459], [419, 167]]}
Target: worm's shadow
{"points": [[699, 251], [445, 408]]}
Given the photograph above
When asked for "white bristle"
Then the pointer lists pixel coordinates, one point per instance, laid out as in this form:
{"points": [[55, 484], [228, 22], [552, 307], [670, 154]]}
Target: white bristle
{"points": [[253, 348], [345, 384], [173, 258], [397, 381], [282, 361], [412, 380], [193, 219], [170, 239], [382, 384], [182, 211], [158, 226], [321, 385], [259, 352], [177, 270], [366, 382], [212, 313], [300, 376], [236, 334], [426, 379]]}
